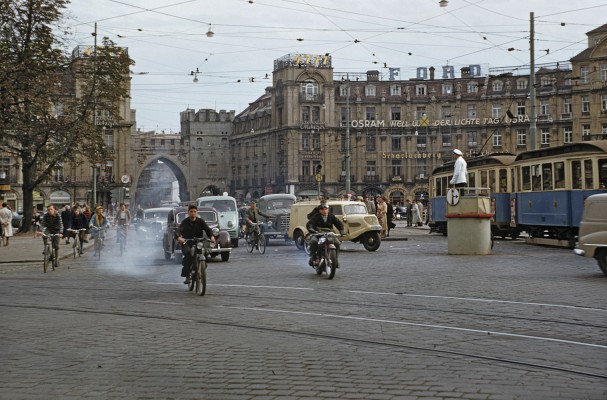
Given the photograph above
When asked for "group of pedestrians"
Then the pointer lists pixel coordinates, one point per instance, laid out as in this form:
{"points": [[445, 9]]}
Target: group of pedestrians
{"points": [[384, 210]]}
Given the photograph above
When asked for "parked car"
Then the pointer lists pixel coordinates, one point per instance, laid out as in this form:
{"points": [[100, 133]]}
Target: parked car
{"points": [[400, 213], [152, 226], [17, 221], [172, 248], [359, 225], [592, 238], [279, 207]]}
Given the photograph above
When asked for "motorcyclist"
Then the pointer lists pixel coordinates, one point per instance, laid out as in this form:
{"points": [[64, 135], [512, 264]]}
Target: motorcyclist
{"points": [[190, 228], [251, 216], [322, 220]]}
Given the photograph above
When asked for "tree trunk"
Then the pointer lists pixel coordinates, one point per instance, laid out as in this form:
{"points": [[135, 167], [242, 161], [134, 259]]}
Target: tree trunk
{"points": [[28, 197]]}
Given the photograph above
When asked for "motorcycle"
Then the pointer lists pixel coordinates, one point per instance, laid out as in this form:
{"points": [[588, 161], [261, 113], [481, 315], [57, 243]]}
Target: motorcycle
{"points": [[326, 257]]}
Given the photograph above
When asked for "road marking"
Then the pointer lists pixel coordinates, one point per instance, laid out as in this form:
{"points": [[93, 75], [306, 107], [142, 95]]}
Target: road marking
{"points": [[385, 321]]}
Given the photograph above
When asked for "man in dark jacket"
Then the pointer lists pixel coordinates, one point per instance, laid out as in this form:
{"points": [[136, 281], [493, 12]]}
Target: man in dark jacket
{"points": [[66, 218], [322, 221], [51, 223], [190, 228], [251, 215]]}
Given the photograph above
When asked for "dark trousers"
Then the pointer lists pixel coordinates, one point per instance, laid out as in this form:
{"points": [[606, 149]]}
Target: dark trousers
{"points": [[186, 263]]}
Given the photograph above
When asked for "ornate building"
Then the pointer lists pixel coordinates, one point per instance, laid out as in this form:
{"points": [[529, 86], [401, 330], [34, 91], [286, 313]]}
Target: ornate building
{"points": [[400, 130]]}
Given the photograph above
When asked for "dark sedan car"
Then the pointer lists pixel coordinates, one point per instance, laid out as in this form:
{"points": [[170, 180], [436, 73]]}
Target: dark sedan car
{"points": [[400, 213], [17, 221]]}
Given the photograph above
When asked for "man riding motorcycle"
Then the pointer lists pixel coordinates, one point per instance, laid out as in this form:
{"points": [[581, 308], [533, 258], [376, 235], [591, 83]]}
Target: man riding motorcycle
{"points": [[190, 228], [322, 220]]}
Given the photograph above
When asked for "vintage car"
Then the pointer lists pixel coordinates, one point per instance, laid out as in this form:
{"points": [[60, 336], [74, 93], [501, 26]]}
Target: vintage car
{"points": [[592, 238], [172, 248], [359, 225], [227, 211], [152, 225], [279, 207]]}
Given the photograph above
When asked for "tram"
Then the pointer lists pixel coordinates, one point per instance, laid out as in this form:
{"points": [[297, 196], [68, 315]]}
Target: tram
{"points": [[541, 192]]}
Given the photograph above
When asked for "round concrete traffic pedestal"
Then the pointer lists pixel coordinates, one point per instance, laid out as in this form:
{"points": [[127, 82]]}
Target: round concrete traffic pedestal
{"points": [[469, 226]]}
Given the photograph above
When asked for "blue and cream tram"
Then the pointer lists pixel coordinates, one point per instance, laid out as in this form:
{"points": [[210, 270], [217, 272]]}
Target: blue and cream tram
{"points": [[489, 175], [550, 187]]}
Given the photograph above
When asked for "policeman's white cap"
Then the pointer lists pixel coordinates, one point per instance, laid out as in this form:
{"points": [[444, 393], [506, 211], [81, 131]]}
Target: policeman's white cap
{"points": [[458, 152]]}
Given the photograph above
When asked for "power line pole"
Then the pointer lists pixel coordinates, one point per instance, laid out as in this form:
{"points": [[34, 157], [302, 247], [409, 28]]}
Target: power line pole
{"points": [[347, 166], [533, 122]]}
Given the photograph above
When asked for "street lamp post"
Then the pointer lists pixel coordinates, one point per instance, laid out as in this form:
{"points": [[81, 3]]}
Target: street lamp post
{"points": [[95, 184], [347, 166]]}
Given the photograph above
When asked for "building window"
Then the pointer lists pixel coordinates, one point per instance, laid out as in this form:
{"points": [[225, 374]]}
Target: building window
{"points": [[498, 86], [371, 168], [316, 114], [604, 102], [472, 139], [446, 139], [603, 72], [305, 141], [497, 139], [567, 105], [471, 110], [447, 88], [305, 114], [604, 129], [370, 113], [521, 137], [395, 90], [520, 108], [584, 74], [344, 90], [370, 143], [585, 104], [305, 168], [586, 130], [421, 141], [545, 81], [446, 111], [108, 138], [420, 112], [316, 141], [370, 90], [309, 90], [544, 107], [521, 84], [420, 90], [567, 134], [395, 114], [545, 136], [396, 142], [396, 167], [496, 111], [472, 87]]}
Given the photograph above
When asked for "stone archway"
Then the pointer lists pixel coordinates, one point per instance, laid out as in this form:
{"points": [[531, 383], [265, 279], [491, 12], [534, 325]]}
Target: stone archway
{"points": [[397, 194], [155, 180]]}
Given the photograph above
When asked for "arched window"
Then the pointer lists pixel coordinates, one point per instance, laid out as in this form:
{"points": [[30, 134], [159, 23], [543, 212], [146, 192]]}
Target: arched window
{"points": [[309, 89]]}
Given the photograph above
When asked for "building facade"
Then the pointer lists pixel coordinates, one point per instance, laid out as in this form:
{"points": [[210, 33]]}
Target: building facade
{"points": [[395, 132]]}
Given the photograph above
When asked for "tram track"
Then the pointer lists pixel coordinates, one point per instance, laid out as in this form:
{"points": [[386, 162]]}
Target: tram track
{"points": [[353, 340]]}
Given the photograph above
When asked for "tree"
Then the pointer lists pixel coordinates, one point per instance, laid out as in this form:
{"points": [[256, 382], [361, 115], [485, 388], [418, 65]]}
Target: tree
{"points": [[49, 95]]}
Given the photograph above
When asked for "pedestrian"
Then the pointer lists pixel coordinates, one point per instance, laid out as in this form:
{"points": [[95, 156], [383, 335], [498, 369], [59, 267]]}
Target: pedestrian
{"points": [[35, 221], [420, 210], [460, 171], [382, 211], [6, 220], [409, 210], [370, 205], [389, 216], [66, 217], [415, 217]]}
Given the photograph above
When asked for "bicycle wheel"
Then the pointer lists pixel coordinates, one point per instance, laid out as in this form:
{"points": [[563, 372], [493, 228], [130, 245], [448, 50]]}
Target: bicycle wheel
{"points": [[261, 244], [47, 256], [201, 277], [75, 246], [121, 240], [250, 239], [53, 257], [98, 247]]}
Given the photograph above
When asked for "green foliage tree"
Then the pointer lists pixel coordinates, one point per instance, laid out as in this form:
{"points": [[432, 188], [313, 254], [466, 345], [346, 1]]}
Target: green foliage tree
{"points": [[49, 95]]}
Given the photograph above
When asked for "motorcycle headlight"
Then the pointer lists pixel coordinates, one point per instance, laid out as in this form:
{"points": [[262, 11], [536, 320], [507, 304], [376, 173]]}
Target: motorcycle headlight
{"points": [[269, 223], [215, 231], [199, 245], [331, 234], [322, 240]]}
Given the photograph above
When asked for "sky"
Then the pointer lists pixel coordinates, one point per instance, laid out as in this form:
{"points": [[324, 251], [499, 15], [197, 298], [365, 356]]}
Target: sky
{"points": [[169, 40]]}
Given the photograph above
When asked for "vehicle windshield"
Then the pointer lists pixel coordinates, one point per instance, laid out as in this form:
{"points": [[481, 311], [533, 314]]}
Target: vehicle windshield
{"points": [[219, 205], [355, 209], [156, 214], [283, 205], [207, 216]]}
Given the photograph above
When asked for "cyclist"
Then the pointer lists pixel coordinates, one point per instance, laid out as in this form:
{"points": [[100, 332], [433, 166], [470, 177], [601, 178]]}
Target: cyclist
{"points": [[51, 223], [251, 216], [98, 220], [190, 228], [122, 220], [322, 220], [79, 222]]}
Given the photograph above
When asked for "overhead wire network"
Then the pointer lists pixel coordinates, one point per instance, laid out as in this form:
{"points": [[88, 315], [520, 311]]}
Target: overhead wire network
{"points": [[168, 41]]}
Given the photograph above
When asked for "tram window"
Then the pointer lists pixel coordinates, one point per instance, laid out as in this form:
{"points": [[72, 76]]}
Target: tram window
{"points": [[445, 186], [536, 178], [576, 174], [484, 182], [603, 173], [472, 179], [559, 175], [503, 181], [547, 176], [526, 178], [588, 174], [492, 185]]}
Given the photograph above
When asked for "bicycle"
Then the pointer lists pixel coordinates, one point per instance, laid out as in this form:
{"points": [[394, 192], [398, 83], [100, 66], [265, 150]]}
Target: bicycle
{"points": [[50, 256], [198, 269], [77, 245], [256, 239], [99, 239], [121, 232]]}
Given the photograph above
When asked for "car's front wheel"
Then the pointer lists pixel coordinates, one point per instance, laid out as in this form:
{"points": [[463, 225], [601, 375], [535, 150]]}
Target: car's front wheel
{"points": [[601, 256]]}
